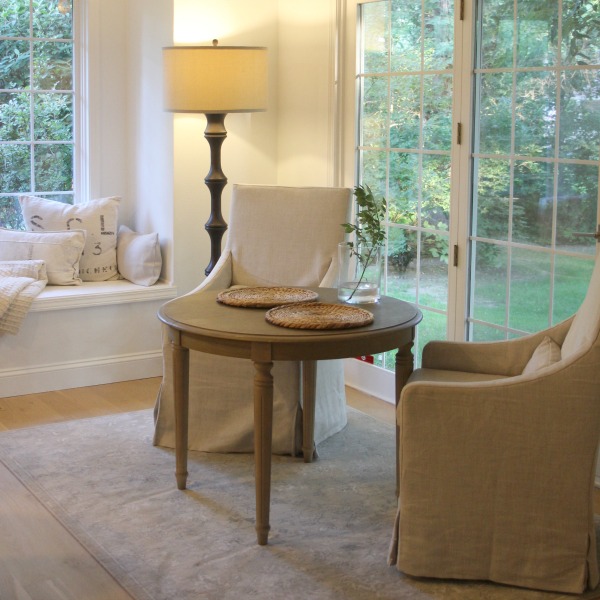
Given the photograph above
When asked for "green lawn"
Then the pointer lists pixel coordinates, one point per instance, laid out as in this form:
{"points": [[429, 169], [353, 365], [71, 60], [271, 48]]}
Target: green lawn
{"points": [[529, 293]]}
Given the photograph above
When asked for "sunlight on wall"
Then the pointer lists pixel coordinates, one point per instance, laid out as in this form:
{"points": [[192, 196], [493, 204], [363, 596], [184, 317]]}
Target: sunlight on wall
{"points": [[195, 25]]}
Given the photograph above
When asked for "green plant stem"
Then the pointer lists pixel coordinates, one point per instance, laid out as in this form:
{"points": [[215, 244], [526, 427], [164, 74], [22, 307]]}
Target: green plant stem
{"points": [[366, 264]]}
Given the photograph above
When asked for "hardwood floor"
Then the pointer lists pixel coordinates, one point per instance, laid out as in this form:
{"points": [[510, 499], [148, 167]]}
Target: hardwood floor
{"points": [[39, 559]]}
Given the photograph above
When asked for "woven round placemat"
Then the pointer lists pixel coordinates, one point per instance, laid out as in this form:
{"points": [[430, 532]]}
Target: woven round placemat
{"points": [[266, 297], [319, 315]]}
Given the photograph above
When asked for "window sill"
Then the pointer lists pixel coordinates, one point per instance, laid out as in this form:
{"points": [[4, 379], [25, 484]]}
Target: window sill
{"points": [[100, 293]]}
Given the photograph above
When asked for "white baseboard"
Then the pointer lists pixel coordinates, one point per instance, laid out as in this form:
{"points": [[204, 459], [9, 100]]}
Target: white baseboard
{"points": [[370, 379], [62, 376]]}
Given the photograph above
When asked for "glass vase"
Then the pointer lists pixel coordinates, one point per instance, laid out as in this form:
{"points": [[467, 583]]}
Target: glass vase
{"points": [[359, 276]]}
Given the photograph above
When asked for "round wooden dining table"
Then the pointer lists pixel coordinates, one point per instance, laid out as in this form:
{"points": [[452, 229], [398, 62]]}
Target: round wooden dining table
{"points": [[199, 322]]}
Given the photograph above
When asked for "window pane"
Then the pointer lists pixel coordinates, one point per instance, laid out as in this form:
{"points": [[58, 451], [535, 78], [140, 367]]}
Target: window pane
{"points": [[14, 64], [374, 105], [532, 213], [484, 333], [402, 274], [529, 290], [404, 180], [14, 117], [577, 207], [375, 40], [535, 114], [14, 18], [374, 166], [432, 327], [498, 31], [53, 117], [53, 165], [406, 36], [580, 33], [537, 32], [16, 178], [406, 111], [435, 205], [491, 206], [433, 276], [439, 35], [495, 113], [10, 213], [437, 112], [53, 65], [488, 285], [579, 115], [49, 21], [571, 281]]}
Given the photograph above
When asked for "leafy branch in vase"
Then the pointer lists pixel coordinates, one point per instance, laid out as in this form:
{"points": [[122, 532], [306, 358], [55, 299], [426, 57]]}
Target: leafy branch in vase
{"points": [[369, 230]]}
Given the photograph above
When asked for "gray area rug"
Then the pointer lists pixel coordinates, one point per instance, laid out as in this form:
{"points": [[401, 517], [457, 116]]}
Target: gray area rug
{"points": [[331, 520]]}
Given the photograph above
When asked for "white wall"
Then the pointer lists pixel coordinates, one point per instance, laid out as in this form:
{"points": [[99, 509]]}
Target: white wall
{"points": [[149, 128], [306, 61]]}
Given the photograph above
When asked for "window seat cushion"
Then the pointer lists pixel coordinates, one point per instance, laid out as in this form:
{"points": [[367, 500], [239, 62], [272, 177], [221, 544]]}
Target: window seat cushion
{"points": [[94, 293]]}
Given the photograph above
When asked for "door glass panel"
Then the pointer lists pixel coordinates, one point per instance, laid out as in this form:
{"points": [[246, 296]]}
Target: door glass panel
{"points": [[405, 117], [495, 113], [489, 291], [577, 200], [537, 29], [529, 290], [570, 285], [538, 111], [532, 203], [579, 108], [498, 26], [491, 198], [535, 113]]}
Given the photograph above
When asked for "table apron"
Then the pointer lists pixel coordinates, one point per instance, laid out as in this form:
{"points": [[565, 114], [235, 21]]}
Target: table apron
{"points": [[296, 349]]}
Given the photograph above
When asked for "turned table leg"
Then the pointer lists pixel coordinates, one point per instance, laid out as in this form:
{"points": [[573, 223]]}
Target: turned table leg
{"points": [[404, 367], [263, 433], [181, 384]]}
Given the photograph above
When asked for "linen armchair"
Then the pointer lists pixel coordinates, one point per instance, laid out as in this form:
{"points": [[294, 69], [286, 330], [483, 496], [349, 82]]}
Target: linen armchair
{"points": [[278, 236], [497, 454]]}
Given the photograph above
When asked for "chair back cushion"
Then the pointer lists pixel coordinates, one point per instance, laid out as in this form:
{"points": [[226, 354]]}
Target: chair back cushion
{"points": [[586, 324], [285, 235]]}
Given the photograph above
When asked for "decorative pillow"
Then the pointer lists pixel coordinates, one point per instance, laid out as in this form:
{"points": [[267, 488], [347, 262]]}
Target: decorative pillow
{"points": [[138, 256], [98, 218], [60, 250], [546, 354]]}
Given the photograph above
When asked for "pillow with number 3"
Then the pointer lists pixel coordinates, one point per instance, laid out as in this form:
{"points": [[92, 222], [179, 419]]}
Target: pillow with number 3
{"points": [[98, 218]]}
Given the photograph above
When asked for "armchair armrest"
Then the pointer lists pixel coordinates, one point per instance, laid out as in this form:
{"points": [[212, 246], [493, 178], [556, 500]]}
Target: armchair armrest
{"points": [[220, 277], [329, 280], [506, 358]]}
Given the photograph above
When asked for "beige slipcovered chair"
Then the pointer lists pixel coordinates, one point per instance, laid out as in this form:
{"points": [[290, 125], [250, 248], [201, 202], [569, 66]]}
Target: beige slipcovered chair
{"points": [[497, 454], [278, 236]]}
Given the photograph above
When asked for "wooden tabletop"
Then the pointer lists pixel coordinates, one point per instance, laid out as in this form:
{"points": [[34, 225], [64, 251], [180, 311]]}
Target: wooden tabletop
{"points": [[203, 323]]}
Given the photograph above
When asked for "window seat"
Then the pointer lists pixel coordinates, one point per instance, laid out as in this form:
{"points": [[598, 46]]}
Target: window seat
{"points": [[94, 333], [94, 293]]}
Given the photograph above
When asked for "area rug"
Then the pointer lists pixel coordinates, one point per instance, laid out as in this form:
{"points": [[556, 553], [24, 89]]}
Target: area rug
{"points": [[331, 520]]}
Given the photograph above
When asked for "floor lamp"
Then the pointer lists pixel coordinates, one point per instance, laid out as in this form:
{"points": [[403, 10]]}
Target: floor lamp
{"points": [[215, 80]]}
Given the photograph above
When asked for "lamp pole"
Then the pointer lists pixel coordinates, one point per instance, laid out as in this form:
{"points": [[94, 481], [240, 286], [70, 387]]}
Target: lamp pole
{"points": [[215, 134]]}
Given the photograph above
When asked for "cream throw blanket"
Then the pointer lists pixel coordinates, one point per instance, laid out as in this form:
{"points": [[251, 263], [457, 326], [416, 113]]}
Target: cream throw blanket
{"points": [[20, 282]]}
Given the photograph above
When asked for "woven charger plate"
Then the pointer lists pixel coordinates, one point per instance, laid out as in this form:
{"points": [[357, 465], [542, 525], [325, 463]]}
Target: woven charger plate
{"points": [[265, 297], [318, 315]]}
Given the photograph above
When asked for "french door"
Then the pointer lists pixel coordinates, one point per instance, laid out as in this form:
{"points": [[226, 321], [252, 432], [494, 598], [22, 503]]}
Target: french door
{"points": [[480, 126]]}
